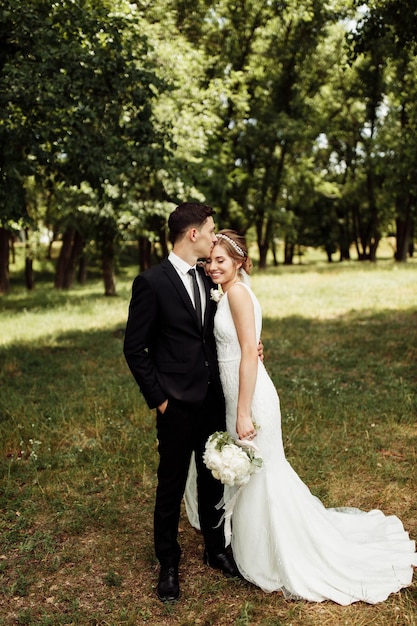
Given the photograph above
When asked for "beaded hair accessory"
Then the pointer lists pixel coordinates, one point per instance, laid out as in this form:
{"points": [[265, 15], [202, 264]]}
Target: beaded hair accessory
{"points": [[232, 243]]}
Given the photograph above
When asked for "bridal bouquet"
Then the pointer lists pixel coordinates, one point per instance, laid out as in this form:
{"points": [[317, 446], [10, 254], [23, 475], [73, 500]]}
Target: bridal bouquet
{"points": [[232, 461]]}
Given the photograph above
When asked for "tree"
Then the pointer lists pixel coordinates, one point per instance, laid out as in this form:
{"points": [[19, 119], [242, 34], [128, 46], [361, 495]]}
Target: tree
{"points": [[388, 29], [14, 137], [85, 113], [261, 57]]}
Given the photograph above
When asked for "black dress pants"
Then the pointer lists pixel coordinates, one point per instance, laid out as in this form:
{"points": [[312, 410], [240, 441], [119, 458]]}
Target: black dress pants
{"points": [[181, 430]]}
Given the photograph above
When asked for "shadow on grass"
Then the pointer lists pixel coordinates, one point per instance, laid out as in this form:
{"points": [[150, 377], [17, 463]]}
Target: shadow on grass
{"points": [[366, 345], [383, 342], [76, 505], [358, 362], [360, 339], [47, 298]]}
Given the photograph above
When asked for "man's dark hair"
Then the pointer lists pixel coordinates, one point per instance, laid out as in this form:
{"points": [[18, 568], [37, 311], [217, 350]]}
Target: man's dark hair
{"points": [[185, 216]]}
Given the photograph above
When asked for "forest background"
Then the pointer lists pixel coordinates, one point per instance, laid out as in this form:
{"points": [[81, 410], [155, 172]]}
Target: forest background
{"points": [[295, 120]]}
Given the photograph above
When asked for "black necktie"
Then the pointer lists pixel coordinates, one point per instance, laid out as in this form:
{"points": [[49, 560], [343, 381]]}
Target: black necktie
{"points": [[197, 297]]}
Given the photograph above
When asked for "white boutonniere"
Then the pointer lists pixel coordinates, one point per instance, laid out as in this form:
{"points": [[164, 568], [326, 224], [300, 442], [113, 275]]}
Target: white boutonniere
{"points": [[216, 294]]}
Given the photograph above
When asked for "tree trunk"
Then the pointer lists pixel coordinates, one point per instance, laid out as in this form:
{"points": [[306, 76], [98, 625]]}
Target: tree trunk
{"points": [[107, 263], [50, 245], [344, 245], [404, 228], [77, 246], [264, 231], [144, 253], [263, 251], [108, 277], [29, 274], [12, 248], [289, 248], [4, 260], [344, 254], [374, 236], [274, 253], [329, 252], [346, 230], [367, 226], [163, 241], [373, 246], [64, 257], [82, 270]]}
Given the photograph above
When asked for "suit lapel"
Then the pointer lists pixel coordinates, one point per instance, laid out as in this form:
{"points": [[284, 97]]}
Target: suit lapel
{"points": [[172, 274]]}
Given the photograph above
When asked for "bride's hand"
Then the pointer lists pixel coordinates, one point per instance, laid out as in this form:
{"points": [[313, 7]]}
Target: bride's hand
{"points": [[245, 428], [261, 350]]}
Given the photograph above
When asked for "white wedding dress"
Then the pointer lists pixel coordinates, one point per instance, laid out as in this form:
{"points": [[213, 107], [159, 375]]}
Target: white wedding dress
{"points": [[283, 538]]}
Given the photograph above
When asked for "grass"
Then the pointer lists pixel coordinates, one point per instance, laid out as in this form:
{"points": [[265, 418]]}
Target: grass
{"points": [[78, 452]]}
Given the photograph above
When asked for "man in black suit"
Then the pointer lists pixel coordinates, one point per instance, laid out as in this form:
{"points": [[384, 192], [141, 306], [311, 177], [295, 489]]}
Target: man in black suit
{"points": [[170, 349]]}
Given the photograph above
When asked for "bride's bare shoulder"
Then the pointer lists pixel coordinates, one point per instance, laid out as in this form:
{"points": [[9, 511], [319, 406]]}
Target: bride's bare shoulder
{"points": [[238, 294]]}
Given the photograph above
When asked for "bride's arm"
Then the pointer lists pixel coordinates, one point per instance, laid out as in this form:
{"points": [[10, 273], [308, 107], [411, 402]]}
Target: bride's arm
{"points": [[241, 307]]}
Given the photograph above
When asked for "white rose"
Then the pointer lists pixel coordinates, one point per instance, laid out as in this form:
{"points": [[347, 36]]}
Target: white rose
{"points": [[227, 476], [228, 453], [213, 459]]}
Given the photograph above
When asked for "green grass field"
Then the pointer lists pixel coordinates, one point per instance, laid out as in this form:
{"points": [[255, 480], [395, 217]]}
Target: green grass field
{"points": [[78, 450]]}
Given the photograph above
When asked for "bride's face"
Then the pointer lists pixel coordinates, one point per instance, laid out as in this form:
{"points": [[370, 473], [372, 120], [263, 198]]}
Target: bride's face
{"points": [[222, 269]]}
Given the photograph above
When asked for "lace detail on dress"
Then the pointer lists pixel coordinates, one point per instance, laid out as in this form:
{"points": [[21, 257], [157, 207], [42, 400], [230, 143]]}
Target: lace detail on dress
{"points": [[228, 348]]}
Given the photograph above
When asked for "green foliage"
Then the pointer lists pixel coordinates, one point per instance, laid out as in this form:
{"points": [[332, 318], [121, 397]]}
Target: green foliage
{"points": [[93, 98], [83, 119], [295, 120]]}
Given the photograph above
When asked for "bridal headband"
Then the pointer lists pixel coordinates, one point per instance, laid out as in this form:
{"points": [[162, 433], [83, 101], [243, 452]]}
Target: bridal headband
{"points": [[232, 243]]}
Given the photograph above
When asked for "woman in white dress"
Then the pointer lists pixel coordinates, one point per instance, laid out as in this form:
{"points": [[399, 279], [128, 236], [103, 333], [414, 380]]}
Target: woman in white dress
{"points": [[283, 538]]}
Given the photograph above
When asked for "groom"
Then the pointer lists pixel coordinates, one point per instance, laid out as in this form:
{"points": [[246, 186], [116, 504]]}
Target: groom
{"points": [[170, 349]]}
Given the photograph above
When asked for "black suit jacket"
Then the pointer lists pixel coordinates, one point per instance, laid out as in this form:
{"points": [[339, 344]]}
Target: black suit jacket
{"points": [[167, 353]]}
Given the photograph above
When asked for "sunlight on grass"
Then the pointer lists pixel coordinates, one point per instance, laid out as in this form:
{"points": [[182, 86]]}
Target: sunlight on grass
{"points": [[334, 292], [80, 309]]}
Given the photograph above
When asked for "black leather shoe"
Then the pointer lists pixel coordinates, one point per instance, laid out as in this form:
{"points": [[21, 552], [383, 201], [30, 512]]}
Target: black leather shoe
{"points": [[168, 588], [224, 562]]}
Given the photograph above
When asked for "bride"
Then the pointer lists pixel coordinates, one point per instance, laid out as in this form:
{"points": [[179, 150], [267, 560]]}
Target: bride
{"points": [[283, 538]]}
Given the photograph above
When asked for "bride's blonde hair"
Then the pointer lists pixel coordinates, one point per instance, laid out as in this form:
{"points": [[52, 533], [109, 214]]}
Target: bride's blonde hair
{"points": [[236, 247]]}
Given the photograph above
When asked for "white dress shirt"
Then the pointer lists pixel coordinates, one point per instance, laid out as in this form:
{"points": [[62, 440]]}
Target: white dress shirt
{"points": [[182, 268]]}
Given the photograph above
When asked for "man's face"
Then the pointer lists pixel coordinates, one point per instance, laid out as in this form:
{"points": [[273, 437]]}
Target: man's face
{"points": [[206, 238]]}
